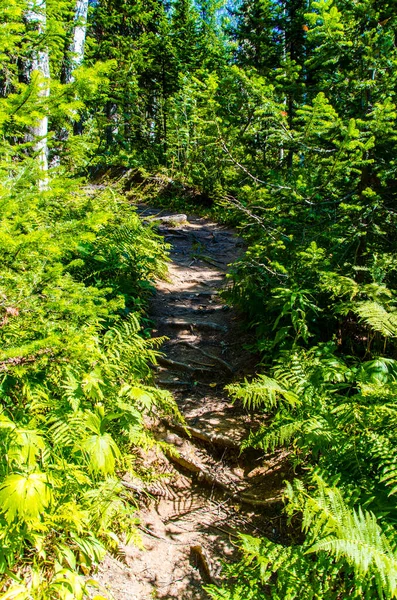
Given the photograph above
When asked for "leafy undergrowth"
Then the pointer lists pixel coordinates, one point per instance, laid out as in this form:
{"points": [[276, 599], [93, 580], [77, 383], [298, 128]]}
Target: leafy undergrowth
{"points": [[76, 270], [339, 421], [346, 553]]}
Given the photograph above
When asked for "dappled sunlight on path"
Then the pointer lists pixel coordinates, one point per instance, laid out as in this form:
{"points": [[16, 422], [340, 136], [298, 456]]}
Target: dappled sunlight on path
{"points": [[206, 491]]}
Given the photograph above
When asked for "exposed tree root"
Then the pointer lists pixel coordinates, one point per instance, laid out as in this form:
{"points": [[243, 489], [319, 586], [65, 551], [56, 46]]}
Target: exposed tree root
{"points": [[204, 563], [240, 497], [210, 261], [222, 362], [248, 499], [198, 362], [175, 384], [212, 438], [131, 486], [212, 480], [180, 366], [196, 324], [183, 462]]}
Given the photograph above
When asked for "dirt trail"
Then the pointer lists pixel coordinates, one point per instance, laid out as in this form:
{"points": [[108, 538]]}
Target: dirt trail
{"points": [[209, 492]]}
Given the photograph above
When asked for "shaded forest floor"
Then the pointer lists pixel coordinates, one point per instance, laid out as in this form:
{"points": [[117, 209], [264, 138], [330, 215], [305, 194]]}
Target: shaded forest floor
{"points": [[208, 491]]}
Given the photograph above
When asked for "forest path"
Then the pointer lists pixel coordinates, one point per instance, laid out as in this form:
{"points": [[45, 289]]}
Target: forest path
{"points": [[209, 492]]}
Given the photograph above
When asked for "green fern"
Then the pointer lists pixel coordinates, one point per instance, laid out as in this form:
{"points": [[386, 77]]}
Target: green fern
{"points": [[377, 318], [346, 554], [350, 435], [264, 392], [76, 373], [274, 436]]}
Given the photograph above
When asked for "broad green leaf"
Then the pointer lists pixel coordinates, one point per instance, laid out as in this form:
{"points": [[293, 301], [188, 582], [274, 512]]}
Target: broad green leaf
{"points": [[25, 497]]}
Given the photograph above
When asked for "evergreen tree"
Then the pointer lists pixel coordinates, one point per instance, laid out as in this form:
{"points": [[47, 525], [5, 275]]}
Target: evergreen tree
{"points": [[211, 39], [258, 35], [185, 36]]}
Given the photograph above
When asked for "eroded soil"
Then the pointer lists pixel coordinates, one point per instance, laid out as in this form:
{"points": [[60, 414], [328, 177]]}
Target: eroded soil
{"points": [[210, 491]]}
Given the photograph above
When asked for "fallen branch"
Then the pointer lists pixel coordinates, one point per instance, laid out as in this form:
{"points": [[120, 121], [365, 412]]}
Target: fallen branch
{"points": [[170, 219]]}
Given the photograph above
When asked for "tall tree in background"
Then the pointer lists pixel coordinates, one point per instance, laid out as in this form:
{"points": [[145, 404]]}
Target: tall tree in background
{"points": [[212, 38], [39, 75], [76, 49], [185, 35], [258, 35], [136, 36]]}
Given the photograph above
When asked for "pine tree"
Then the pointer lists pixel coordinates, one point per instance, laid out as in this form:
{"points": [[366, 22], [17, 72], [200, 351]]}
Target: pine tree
{"points": [[185, 36], [258, 35]]}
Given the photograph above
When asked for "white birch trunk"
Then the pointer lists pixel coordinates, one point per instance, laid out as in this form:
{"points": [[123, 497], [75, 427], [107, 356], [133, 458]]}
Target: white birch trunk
{"points": [[76, 47], [284, 43], [40, 68]]}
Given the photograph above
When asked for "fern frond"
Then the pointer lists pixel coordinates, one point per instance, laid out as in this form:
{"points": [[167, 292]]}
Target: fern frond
{"points": [[339, 286], [275, 436], [381, 370], [385, 454], [66, 429], [353, 536], [377, 318], [361, 542], [291, 371], [263, 391]]}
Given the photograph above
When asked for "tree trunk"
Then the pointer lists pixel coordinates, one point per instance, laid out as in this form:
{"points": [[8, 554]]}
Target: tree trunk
{"points": [[40, 73], [75, 54], [76, 48]]}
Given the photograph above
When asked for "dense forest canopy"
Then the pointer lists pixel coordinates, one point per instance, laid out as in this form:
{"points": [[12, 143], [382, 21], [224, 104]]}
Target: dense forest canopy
{"points": [[277, 116]]}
